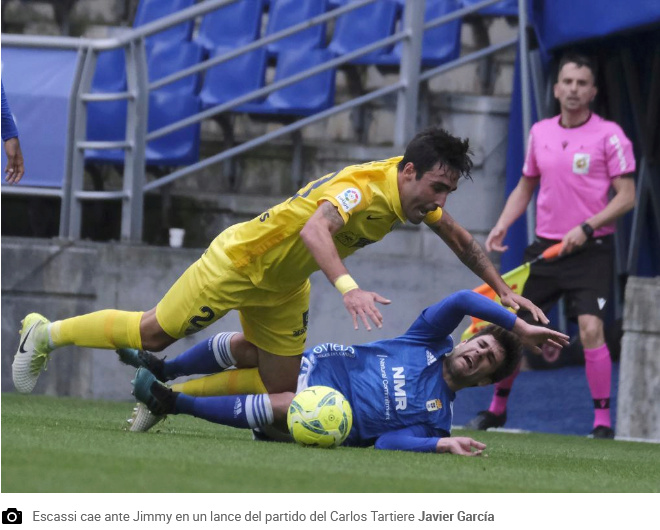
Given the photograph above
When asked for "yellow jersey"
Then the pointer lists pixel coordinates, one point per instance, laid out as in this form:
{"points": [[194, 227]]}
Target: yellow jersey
{"points": [[268, 248]]}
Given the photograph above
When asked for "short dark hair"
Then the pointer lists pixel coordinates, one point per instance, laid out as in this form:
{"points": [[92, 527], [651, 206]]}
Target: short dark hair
{"points": [[512, 350], [580, 60], [435, 145]]}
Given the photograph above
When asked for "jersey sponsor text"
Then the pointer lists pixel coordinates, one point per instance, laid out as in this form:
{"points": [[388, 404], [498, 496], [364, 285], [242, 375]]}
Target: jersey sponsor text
{"points": [[400, 397]]}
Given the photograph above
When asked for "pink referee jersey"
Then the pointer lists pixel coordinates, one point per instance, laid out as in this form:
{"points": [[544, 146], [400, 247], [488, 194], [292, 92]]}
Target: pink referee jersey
{"points": [[576, 167]]}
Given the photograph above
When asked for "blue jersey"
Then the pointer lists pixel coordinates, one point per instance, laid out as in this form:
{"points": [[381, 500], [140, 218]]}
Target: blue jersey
{"points": [[8, 126], [396, 388]]}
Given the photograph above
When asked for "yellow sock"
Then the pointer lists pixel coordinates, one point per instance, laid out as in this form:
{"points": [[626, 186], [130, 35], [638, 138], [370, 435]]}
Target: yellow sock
{"points": [[108, 329], [227, 383]]}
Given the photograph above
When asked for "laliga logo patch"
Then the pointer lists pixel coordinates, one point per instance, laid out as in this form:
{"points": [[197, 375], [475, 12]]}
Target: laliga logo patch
{"points": [[349, 199], [581, 163], [433, 404]]}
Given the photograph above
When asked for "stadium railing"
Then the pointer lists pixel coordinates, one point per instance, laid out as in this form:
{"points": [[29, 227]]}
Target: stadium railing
{"points": [[139, 88]]}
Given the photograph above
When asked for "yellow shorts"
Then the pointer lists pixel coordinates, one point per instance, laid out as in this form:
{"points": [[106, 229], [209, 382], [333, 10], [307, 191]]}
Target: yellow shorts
{"points": [[211, 287]]}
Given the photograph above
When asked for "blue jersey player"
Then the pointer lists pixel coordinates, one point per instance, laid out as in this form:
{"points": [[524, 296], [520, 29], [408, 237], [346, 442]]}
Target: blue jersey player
{"points": [[401, 390]]}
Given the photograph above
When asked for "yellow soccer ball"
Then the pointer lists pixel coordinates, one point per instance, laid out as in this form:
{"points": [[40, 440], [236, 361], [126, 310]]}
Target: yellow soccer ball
{"points": [[320, 416]]}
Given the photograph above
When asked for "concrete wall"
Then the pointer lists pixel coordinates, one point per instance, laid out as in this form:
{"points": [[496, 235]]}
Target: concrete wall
{"points": [[638, 413]]}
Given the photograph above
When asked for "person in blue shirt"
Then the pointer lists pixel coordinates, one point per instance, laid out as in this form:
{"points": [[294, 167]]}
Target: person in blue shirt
{"points": [[15, 165], [401, 390]]}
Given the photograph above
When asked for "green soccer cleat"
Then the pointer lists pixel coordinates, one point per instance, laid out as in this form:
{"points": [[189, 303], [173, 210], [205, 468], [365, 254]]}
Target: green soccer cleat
{"points": [[33, 353], [141, 358], [158, 398], [142, 419]]}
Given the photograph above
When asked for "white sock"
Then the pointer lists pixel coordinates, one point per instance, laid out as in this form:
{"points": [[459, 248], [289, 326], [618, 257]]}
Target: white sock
{"points": [[221, 345]]}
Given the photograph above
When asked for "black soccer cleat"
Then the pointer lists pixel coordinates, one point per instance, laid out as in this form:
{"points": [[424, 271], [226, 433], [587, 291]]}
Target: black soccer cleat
{"points": [[486, 420], [602, 432], [158, 398], [144, 359]]}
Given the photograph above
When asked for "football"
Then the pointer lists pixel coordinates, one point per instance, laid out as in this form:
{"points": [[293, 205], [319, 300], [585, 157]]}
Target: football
{"points": [[320, 416]]}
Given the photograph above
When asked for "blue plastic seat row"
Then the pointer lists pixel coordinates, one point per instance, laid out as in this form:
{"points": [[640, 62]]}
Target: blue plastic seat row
{"points": [[163, 59], [106, 121], [239, 23], [246, 73], [353, 30], [376, 21]]}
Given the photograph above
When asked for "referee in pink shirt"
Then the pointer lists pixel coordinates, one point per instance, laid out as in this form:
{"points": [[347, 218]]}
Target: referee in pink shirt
{"points": [[574, 159]]}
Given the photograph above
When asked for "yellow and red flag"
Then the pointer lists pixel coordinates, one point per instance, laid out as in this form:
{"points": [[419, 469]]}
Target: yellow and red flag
{"points": [[515, 279]]}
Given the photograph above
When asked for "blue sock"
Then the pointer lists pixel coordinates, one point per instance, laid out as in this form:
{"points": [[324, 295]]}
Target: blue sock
{"points": [[207, 357], [244, 411]]}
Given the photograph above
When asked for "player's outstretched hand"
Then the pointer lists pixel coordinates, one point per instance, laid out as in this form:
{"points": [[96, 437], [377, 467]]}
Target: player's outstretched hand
{"points": [[533, 337], [362, 304], [460, 445], [516, 301]]}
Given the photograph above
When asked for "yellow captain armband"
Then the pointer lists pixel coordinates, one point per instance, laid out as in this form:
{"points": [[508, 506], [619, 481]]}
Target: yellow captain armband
{"points": [[345, 283]]}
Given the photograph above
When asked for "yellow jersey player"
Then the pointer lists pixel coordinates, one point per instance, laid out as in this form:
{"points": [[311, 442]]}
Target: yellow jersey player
{"points": [[261, 268]]}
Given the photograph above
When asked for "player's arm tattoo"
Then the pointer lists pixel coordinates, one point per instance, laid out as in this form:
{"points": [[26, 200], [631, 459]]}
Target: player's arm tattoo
{"points": [[331, 215], [475, 258], [462, 244]]}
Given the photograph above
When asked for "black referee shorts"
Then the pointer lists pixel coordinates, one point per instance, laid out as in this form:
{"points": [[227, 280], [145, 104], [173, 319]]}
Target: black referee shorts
{"points": [[584, 277]]}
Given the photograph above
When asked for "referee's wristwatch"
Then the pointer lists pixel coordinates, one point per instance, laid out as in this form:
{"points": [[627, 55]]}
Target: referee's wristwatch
{"points": [[587, 229]]}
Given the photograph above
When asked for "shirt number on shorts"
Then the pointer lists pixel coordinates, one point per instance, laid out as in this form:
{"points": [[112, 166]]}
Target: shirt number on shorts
{"points": [[200, 321]]}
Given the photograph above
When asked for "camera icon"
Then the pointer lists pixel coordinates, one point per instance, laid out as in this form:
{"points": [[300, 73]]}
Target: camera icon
{"points": [[12, 516]]}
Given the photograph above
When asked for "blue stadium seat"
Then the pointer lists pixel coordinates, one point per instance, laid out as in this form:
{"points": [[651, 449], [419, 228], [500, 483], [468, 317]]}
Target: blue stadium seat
{"points": [[500, 9], [107, 122], [235, 25], [363, 26], [110, 73], [233, 78], [286, 13], [440, 44], [150, 10], [308, 96], [181, 147], [165, 59]]}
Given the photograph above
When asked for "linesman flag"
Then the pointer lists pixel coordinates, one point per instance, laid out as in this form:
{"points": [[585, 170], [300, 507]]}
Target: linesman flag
{"points": [[515, 279]]}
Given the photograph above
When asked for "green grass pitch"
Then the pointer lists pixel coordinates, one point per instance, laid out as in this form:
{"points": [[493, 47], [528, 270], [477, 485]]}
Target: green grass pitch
{"points": [[73, 445]]}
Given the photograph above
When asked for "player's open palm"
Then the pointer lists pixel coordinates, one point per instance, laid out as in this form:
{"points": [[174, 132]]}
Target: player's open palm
{"points": [[533, 337], [362, 307], [460, 445]]}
